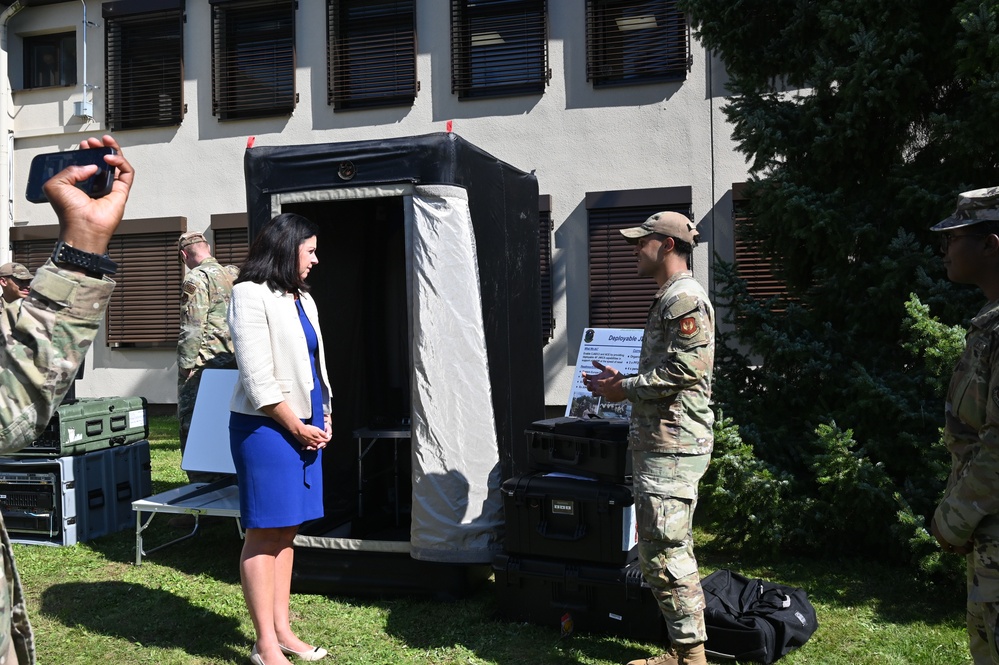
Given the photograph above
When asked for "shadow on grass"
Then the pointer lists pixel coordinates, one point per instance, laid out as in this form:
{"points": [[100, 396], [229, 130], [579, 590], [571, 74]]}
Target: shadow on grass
{"points": [[149, 617], [213, 551], [473, 623]]}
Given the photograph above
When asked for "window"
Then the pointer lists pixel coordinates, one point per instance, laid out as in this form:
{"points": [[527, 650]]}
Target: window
{"points": [[253, 58], [619, 297], [545, 244], [372, 53], [631, 42], [499, 47], [145, 306], [230, 238], [33, 245], [144, 41], [50, 60], [144, 310], [754, 268]]}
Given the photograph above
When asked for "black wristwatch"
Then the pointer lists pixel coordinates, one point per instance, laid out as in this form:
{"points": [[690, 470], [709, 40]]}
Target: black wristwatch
{"points": [[95, 265]]}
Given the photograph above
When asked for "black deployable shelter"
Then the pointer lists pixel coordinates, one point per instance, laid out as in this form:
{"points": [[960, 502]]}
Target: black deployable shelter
{"points": [[428, 290]]}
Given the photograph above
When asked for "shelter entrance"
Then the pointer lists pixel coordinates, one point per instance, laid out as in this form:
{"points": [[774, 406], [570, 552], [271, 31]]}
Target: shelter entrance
{"points": [[428, 294], [360, 288]]}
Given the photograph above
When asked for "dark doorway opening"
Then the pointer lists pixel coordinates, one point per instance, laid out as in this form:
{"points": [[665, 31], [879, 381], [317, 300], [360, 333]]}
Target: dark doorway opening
{"points": [[360, 288]]}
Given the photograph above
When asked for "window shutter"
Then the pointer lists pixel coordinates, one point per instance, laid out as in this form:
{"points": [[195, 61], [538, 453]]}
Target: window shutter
{"points": [[231, 246], [371, 53], [145, 306], [145, 68], [635, 42], [499, 47], [253, 58], [750, 264], [33, 253], [619, 297]]}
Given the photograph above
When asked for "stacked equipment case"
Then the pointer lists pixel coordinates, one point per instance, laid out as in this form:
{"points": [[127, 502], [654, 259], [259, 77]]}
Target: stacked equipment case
{"points": [[570, 558], [77, 481]]}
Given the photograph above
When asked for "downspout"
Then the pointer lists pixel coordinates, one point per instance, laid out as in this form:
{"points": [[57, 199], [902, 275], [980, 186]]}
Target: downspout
{"points": [[6, 134], [85, 109]]}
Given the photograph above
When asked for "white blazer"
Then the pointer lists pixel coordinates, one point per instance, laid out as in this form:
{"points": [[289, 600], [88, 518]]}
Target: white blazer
{"points": [[271, 351]]}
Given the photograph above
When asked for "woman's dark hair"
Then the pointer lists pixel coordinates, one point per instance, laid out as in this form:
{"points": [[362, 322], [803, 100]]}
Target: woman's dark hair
{"points": [[273, 255]]}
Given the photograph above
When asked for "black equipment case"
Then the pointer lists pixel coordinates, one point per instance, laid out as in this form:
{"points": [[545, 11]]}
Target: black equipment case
{"points": [[591, 447], [589, 597], [89, 424], [558, 516]]}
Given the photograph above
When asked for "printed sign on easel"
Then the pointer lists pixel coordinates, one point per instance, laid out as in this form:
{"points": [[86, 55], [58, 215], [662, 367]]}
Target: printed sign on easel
{"points": [[617, 347]]}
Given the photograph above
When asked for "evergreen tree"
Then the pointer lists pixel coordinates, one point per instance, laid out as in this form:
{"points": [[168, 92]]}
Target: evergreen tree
{"points": [[862, 121]]}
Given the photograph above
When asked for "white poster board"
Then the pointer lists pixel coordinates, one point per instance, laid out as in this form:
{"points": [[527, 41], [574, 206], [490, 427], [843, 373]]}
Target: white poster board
{"points": [[618, 347], [208, 441]]}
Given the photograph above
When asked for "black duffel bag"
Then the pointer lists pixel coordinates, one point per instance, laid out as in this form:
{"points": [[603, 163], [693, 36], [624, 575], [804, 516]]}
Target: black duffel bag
{"points": [[753, 619]]}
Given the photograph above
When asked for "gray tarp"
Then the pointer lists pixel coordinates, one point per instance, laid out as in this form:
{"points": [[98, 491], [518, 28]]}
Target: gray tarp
{"points": [[456, 475], [456, 504]]}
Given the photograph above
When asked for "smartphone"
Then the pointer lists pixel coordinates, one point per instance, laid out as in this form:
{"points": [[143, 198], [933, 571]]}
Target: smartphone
{"points": [[44, 167]]}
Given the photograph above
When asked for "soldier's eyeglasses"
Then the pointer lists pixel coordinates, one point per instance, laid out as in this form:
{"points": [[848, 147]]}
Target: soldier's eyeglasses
{"points": [[947, 238]]}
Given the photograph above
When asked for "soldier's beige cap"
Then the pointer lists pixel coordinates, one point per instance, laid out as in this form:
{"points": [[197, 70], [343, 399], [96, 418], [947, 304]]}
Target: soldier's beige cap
{"points": [[191, 238], [977, 205], [667, 223], [15, 270]]}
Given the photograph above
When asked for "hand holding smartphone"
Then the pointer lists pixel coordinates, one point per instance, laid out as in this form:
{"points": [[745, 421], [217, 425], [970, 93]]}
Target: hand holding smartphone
{"points": [[45, 166]]}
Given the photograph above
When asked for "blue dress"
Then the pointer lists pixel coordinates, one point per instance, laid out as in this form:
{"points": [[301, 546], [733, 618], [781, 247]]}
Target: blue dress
{"points": [[280, 484]]}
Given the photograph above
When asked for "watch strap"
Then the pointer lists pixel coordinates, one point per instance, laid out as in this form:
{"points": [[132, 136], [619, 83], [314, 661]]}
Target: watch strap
{"points": [[94, 265]]}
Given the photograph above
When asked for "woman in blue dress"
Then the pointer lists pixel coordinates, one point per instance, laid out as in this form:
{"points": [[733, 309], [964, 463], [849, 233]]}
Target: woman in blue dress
{"points": [[279, 424]]}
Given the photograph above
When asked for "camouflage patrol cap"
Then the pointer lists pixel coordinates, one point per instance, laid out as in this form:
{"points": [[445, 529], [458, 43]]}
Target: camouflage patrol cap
{"points": [[191, 238], [977, 205], [15, 270], [667, 223]]}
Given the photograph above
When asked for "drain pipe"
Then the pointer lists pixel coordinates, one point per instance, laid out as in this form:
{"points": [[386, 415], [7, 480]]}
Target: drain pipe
{"points": [[84, 109], [6, 135]]}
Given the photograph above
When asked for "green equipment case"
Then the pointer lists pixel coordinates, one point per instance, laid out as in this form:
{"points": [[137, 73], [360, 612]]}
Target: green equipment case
{"points": [[91, 423]]}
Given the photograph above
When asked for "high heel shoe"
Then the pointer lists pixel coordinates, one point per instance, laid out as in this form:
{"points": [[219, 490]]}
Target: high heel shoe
{"points": [[317, 653], [255, 657]]}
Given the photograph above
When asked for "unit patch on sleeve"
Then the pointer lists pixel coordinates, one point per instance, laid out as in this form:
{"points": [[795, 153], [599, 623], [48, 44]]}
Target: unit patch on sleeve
{"points": [[688, 326]]}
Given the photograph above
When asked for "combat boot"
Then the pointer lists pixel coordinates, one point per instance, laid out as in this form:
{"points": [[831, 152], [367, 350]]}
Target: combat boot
{"points": [[681, 655]]}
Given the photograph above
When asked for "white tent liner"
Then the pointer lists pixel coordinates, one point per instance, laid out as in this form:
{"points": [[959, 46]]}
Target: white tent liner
{"points": [[456, 503]]}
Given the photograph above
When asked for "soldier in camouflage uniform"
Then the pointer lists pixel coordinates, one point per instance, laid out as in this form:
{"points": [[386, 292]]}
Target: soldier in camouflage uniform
{"points": [[44, 347], [671, 427], [15, 281], [967, 520], [204, 341]]}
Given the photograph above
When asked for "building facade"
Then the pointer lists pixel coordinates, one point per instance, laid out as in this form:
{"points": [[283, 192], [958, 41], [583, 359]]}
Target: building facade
{"points": [[613, 104]]}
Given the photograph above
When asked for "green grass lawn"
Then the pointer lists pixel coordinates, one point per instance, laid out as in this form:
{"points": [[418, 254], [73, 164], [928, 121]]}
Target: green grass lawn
{"points": [[90, 604]]}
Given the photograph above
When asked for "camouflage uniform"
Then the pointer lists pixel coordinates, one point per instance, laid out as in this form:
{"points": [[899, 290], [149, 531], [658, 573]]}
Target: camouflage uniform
{"points": [[43, 349], [671, 442], [204, 341], [11, 310], [969, 510]]}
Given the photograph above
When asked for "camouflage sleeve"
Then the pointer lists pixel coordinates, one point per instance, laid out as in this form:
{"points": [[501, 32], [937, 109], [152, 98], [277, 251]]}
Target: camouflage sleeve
{"points": [[975, 494], [194, 305], [44, 348], [687, 356]]}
